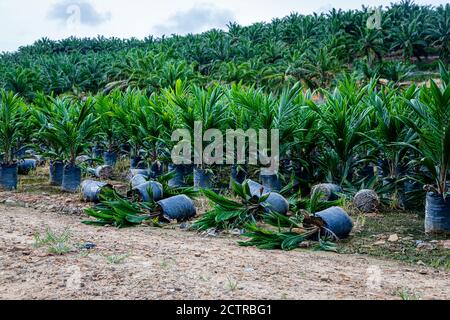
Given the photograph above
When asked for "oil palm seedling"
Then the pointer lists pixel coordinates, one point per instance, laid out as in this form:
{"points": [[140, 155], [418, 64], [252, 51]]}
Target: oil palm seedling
{"points": [[41, 114], [13, 121], [273, 113], [390, 138], [408, 38], [288, 232], [432, 127], [438, 32], [152, 123], [252, 201], [306, 142], [107, 125], [199, 111], [238, 118], [119, 212], [229, 214], [129, 109], [343, 119], [71, 126]]}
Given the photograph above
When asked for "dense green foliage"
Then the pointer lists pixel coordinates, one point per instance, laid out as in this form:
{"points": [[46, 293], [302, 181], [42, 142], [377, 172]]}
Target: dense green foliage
{"points": [[317, 78], [310, 49], [402, 132]]}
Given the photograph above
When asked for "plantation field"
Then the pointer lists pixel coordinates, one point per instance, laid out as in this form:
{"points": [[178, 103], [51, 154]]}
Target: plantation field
{"points": [[303, 158]]}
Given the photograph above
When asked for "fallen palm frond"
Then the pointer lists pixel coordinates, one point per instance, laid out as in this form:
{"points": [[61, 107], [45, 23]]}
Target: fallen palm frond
{"points": [[314, 203], [230, 214], [286, 233], [119, 212], [175, 191]]}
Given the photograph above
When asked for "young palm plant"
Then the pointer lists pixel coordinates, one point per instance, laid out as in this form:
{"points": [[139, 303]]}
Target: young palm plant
{"points": [[288, 232], [432, 126], [390, 137], [13, 119], [230, 214], [343, 119], [71, 126], [119, 212], [199, 109], [107, 124]]}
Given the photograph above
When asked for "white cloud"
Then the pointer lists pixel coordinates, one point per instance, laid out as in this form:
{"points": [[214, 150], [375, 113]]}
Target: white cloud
{"points": [[82, 11], [200, 17]]}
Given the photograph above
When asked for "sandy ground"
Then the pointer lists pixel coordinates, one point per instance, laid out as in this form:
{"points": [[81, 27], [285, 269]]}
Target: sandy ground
{"points": [[176, 264]]}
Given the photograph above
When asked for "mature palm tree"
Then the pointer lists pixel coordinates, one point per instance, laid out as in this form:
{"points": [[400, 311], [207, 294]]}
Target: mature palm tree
{"points": [[438, 31], [409, 38]]}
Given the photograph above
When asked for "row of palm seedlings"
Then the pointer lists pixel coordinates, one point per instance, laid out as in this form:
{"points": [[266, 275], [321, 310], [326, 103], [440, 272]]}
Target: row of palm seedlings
{"points": [[394, 141]]}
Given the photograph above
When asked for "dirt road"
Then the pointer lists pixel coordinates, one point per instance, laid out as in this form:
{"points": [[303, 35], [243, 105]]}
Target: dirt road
{"points": [[149, 263]]}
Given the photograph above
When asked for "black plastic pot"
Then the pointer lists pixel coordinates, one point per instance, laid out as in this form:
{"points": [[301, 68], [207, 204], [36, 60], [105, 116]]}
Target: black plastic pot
{"points": [[270, 181], [413, 196], [8, 176], [367, 172], [202, 179], [91, 190], [180, 208], [125, 148], [40, 160], [330, 191], [178, 180], [382, 168], [275, 202], [71, 178], [156, 170], [56, 173], [238, 176], [336, 221], [138, 172], [137, 163], [20, 153], [110, 158], [102, 172], [82, 159], [142, 191], [437, 214], [25, 166], [97, 152], [257, 189], [137, 180]]}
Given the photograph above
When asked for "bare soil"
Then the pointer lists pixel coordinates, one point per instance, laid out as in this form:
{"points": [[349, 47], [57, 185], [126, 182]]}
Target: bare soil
{"points": [[150, 263]]}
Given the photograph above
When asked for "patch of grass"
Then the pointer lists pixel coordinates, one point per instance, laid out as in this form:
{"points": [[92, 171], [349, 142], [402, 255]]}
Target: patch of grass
{"points": [[167, 263], [84, 253], [122, 165], [405, 294], [57, 243], [59, 248], [117, 258], [408, 226], [441, 262], [231, 284]]}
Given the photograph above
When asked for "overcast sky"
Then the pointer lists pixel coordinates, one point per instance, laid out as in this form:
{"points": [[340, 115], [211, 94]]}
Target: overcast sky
{"points": [[24, 21]]}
